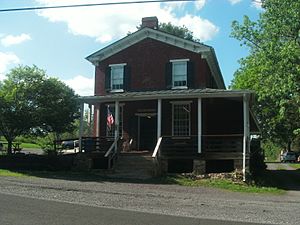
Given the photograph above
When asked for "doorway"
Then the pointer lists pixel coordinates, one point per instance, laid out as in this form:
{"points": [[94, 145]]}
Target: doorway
{"points": [[147, 131]]}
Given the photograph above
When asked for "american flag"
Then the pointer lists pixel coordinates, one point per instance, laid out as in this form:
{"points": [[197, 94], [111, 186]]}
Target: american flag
{"points": [[110, 119]]}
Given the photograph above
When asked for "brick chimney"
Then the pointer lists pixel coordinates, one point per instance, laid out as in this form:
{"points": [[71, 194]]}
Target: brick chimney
{"points": [[151, 22]]}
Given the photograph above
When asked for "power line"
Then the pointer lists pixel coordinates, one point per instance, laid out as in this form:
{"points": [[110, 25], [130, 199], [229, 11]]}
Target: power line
{"points": [[88, 5]]}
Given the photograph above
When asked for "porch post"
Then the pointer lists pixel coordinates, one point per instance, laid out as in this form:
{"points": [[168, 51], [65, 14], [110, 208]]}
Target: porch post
{"points": [[246, 132], [90, 120], [116, 122], [98, 121], [158, 118], [199, 125], [81, 126]]}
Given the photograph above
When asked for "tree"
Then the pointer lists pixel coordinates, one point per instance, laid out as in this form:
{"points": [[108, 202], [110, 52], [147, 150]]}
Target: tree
{"points": [[179, 31], [30, 101], [18, 102], [272, 68], [58, 107]]}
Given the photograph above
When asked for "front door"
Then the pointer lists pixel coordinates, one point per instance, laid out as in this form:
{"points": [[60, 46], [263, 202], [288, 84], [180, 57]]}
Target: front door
{"points": [[147, 132]]}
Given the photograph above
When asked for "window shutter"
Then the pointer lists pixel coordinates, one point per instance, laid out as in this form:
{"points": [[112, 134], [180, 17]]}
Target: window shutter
{"points": [[127, 78], [168, 75], [190, 75], [108, 79]]}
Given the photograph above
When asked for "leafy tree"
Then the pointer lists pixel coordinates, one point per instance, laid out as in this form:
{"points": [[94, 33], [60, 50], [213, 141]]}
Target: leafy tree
{"points": [[179, 31], [58, 106], [18, 102], [30, 101], [272, 68]]}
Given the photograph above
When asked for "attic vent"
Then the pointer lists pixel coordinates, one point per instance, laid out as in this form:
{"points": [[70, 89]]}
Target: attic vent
{"points": [[151, 22]]}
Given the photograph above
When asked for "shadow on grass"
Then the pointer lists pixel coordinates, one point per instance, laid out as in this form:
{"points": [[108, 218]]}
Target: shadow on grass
{"points": [[288, 180], [93, 176]]}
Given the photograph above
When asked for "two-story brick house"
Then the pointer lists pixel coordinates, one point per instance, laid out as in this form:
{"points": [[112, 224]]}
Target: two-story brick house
{"points": [[167, 96]]}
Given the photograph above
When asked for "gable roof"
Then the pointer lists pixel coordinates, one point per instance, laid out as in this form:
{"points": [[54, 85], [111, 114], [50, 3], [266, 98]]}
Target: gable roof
{"points": [[207, 52]]}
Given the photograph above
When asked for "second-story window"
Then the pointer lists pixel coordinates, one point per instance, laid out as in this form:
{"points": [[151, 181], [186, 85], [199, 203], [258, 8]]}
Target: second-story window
{"points": [[179, 74], [117, 78], [117, 73]]}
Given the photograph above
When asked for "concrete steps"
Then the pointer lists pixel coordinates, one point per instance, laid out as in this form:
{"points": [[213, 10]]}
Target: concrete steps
{"points": [[134, 166]]}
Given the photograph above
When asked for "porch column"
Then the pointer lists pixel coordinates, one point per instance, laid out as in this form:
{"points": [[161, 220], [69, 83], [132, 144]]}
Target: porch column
{"points": [[117, 114], [81, 126], [246, 132], [199, 125], [90, 119], [158, 118], [98, 121]]}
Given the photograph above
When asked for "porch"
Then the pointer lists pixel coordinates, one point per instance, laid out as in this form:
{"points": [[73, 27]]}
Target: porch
{"points": [[215, 126]]}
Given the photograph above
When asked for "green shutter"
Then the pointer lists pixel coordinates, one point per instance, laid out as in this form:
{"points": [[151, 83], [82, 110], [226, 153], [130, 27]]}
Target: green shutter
{"points": [[108, 79], [168, 75], [127, 78], [190, 75]]}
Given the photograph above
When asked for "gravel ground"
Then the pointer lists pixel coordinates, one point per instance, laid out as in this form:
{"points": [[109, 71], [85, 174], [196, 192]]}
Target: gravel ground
{"points": [[199, 202]]}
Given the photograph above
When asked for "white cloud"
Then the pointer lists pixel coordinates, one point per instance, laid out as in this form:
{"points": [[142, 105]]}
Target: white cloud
{"points": [[81, 85], [200, 4], [233, 2], [7, 59], [107, 23], [257, 4], [9, 40], [202, 28]]}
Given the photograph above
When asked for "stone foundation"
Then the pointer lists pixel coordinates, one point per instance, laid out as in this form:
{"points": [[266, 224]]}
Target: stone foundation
{"points": [[199, 166]]}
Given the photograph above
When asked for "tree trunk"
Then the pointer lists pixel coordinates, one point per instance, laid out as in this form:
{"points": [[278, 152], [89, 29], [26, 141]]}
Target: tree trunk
{"points": [[9, 147], [289, 146]]}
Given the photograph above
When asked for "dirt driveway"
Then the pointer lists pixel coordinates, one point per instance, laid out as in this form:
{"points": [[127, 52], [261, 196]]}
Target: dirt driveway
{"points": [[285, 176]]}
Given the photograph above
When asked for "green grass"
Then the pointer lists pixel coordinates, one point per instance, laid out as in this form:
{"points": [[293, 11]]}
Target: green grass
{"points": [[8, 173], [295, 165], [223, 184], [30, 145]]}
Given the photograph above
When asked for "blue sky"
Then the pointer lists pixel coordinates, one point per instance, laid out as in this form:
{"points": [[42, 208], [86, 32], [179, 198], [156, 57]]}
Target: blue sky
{"points": [[59, 40]]}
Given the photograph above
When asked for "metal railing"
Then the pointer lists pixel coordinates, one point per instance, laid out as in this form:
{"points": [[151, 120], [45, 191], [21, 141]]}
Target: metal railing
{"points": [[112, 153]]}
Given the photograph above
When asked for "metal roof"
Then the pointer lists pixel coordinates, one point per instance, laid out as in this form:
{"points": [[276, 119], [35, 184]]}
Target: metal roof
{"points": [[165, 94]]}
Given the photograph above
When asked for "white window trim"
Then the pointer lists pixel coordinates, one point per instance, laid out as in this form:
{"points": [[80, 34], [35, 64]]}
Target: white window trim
{"points": [[179, 60], [119, 64], [116, 65], [181, 103], [175, 61]]}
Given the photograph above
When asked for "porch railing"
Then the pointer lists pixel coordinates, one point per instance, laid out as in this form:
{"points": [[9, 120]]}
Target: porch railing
{"points": [[111, 153], [188, 146], [99, 144], [222, 143]]}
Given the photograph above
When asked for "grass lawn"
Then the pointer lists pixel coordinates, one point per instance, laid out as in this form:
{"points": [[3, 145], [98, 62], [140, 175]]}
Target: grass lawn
{"points": [[30, 145], [295, 165], [223, 184], [175, 179], [8, 173]]}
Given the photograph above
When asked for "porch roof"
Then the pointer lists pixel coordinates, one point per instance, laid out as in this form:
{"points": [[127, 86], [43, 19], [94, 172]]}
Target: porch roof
{"points": [[165, 94]]}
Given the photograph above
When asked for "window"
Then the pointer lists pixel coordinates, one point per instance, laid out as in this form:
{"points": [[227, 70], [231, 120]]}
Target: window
{"points": [[179, 73], [181, 119], [117, 76], [110, 132]]}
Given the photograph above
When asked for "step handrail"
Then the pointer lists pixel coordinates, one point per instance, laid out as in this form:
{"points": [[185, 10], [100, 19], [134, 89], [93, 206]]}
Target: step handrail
{"points": [[111, 147], [155, 152]]}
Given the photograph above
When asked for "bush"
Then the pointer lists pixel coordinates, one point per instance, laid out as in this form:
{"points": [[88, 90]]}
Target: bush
{"points": [[257, 163]]}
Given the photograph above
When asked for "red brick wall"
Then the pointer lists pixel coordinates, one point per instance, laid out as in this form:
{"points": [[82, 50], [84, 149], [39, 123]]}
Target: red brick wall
{"points": [[147, 60]]}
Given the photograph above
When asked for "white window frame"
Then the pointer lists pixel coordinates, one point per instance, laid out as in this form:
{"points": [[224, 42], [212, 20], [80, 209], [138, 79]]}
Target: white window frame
{"points": [[174, 62], [112, 68], [111, 133], [188, 105]]}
